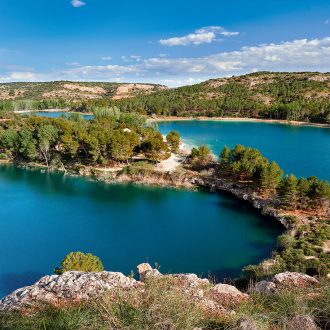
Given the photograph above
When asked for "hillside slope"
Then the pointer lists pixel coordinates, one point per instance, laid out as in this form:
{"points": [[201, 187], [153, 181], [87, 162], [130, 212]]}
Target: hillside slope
{"points": [[73, 91], [303, 96]]}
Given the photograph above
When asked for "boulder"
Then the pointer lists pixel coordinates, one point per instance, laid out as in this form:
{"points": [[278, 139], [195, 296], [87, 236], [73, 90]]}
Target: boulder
{"points": [[246, 324], [304, 322], [264, 287], [225, 294], [68, 288], [145, 270], [292, 279]]}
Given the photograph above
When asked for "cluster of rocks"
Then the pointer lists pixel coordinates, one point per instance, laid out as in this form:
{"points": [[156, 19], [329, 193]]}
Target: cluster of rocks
{"points": [[284, 280], [73, 286]]}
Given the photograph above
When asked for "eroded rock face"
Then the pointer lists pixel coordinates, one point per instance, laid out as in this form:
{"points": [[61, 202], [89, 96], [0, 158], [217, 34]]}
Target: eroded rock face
{"points": [[292, 279], [68, 288]]}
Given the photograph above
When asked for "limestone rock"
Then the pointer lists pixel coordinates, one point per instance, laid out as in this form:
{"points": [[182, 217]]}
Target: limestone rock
{"points": [[302, 322], [225, 294], [145, 270], [246, 324], [264, 287], [67, 288], [292, 279]]}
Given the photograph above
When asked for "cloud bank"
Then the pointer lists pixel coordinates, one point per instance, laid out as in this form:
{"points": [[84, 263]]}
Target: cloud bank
{"points": [[296, 55], [201, 36]]}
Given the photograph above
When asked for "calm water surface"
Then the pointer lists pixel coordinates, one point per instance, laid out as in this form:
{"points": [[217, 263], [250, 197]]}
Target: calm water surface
{"points": [[45, 216], [302, 150]]}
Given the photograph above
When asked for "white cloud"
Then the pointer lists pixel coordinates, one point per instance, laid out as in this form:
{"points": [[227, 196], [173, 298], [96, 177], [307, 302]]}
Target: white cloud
{"points": [[296, 55], [72, 64], [106, 58], [78, 3], [19, 76], [200, 36]]}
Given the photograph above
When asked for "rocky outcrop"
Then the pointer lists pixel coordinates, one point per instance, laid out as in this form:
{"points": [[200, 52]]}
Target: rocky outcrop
{"points": [[68, 288], [292, 279], [284, 280], [73, 287], [264, 287], [225, 295]]}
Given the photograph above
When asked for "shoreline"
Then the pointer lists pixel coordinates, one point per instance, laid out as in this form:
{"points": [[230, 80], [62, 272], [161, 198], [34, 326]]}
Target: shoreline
{"points": [[199, 118], [239, 119]]}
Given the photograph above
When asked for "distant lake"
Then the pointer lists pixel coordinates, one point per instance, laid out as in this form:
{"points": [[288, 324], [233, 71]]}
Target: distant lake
{"points": [[302, 150], [45, 216]]}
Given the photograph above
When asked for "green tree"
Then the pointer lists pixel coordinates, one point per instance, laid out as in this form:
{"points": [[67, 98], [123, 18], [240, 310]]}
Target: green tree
{"points": [[288, 192], [155, 148], [78, 261], [27, 144], [47, 136], [225, 157], [122, 144], [173, 139], [270, 177]]}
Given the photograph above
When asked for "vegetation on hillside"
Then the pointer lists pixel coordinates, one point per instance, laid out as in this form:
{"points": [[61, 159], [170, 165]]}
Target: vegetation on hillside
{"points": [[301, 248], [287, 96], [303, 96]]}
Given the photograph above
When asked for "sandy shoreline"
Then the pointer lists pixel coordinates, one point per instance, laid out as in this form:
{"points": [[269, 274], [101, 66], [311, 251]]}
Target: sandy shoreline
{"points": [[239, 119]]}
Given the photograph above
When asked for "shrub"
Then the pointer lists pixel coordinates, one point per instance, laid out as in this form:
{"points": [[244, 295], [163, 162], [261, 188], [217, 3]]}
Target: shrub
{"points": [[80, 262]]}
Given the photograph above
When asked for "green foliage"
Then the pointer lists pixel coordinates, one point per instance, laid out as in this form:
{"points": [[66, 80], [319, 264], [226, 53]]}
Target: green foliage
{"points": [[155, 148], [225, 157], [79, 261], [288, 192], [286, 241], [270, 176], [113, 137], [173, 140]]}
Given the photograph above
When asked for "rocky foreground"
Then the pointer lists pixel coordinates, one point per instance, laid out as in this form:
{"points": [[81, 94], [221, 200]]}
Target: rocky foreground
{"points": [[75, 287]]}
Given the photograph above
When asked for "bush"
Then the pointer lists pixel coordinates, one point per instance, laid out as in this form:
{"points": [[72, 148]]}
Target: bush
{"points": [[80, 262]]}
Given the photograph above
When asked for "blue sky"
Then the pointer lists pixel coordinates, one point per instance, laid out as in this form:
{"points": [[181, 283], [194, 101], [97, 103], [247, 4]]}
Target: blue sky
{"points": [[169, 42]]}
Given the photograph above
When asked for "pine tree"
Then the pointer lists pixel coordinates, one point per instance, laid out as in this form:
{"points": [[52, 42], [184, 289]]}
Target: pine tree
{"points": [[288, 192]]}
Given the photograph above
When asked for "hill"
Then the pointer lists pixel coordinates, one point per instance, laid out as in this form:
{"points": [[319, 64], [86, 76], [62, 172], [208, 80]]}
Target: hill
{"points": [[301, 96], [73, 91], [295, 96]]}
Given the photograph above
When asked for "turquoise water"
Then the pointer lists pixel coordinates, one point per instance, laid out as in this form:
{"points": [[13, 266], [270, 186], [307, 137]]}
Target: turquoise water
{"points": [[302, 150], [45, 216]]}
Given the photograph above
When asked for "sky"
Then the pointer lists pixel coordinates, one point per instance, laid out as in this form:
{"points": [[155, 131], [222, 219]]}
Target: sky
{"points": [[168, 42]]}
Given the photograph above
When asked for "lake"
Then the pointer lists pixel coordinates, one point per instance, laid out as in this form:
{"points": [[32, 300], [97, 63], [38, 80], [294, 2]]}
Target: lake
{"points": [[302, 150], [45, 216]]}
